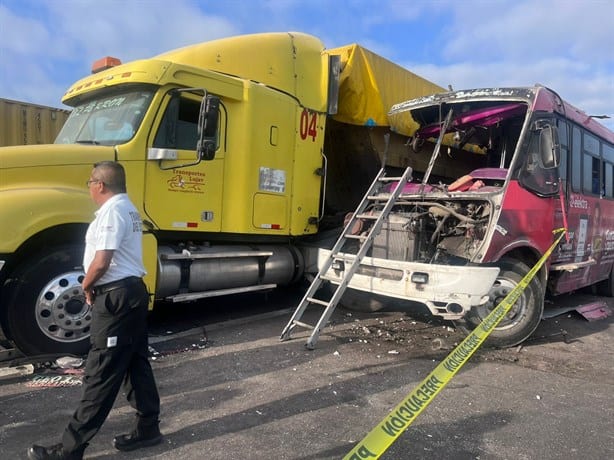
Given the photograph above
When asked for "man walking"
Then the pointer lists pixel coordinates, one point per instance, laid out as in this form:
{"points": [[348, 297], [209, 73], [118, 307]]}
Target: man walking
{"points": [[114, 287]]}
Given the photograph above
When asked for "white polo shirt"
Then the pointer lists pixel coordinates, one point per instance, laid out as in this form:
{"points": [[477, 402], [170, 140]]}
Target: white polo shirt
{"points": [[117, 226]]}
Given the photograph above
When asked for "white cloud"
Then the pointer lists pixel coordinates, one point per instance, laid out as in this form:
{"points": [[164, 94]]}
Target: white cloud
{"points": [[528, 29], [44, 53], [47, 45], [12, 25], [142, 29], [565, 45]]}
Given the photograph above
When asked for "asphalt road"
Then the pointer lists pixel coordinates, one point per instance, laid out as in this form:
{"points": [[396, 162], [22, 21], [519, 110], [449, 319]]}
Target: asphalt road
{"points": [[232, 390]]}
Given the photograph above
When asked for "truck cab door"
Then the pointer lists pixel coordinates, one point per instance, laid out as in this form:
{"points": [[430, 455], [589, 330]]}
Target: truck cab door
{"points": [[182, 192]]}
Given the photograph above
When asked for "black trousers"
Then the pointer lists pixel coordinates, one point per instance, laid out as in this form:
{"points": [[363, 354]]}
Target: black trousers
{"points": [[117, 360]]}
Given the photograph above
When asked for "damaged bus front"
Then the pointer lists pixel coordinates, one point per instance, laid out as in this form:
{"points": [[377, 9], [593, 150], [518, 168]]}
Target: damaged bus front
{"points": [[478, 214]]}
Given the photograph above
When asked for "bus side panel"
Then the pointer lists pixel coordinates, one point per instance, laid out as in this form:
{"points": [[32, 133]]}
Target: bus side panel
{"points": [[526, 220], [591, 239]]}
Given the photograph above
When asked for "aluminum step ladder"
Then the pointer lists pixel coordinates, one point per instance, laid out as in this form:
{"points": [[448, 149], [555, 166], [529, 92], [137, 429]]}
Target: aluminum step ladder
{"points": [[372, 197]]}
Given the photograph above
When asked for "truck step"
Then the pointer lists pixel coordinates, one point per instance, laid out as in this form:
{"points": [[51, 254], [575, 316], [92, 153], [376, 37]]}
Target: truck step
{"points": [[219, 292]]}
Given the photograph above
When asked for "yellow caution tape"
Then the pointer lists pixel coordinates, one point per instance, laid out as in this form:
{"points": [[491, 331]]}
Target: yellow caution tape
{"points": [[379, 439]]}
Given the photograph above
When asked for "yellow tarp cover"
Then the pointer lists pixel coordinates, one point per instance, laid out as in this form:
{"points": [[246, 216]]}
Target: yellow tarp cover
{"points": [[370, 85]]}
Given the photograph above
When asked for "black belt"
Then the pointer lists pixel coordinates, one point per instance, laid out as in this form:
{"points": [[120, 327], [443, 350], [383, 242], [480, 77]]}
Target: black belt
{"points": [[125, 282]]}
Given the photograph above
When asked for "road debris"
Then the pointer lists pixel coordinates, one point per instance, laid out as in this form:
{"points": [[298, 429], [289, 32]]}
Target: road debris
{"points": [[69, 362], [440, 344], [16, 371], [595, 311]]}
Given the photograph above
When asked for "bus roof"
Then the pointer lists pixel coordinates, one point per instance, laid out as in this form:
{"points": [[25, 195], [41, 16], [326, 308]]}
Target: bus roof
{"points": [[539, 97]]}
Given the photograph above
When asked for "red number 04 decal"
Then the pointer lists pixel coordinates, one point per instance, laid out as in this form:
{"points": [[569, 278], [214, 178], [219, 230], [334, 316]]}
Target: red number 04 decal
{"points": [[309, 124]]}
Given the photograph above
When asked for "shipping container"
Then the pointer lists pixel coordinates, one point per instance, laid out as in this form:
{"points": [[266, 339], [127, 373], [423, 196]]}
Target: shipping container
{"points": [[23, 123]]}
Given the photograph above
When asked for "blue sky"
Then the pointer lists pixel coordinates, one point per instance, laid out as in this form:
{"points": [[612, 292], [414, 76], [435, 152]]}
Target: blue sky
{"points": [[45, 45]]}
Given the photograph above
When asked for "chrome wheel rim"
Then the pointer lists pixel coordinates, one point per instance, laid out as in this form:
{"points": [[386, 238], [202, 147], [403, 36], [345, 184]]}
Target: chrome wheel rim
{"points": [[61, 312], [499, 291]]}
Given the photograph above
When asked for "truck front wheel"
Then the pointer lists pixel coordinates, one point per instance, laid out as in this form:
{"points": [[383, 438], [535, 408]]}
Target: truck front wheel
{"points": [[523, 317], [46, 311]]}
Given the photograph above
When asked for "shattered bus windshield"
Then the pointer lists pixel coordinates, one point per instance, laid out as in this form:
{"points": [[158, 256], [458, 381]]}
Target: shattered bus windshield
{"points": [[107, 120], [470, 143]]}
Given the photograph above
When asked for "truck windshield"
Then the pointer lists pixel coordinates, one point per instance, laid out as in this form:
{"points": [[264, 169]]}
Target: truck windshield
{"points": [[109, 120]]}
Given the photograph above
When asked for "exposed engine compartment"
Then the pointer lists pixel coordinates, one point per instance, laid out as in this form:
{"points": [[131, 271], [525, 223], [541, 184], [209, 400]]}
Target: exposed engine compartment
{"points": [[445, 232]]}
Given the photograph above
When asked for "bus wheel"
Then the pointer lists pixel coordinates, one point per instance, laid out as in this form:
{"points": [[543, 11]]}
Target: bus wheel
{"points": [[46, 311], [606, 287], [523, 317]]}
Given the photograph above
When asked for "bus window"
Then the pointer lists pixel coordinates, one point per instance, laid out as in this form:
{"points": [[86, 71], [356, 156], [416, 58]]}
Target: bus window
{"points": [[608, 171], [576, 160], [592, 164], [564, 142], [591, 174]]}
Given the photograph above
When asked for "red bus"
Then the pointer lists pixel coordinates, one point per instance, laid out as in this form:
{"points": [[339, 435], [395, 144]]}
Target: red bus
{"points": [[500, 169]]}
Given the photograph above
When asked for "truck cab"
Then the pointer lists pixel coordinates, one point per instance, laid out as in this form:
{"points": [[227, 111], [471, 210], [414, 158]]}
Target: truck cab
{"points": [[207, 136]]}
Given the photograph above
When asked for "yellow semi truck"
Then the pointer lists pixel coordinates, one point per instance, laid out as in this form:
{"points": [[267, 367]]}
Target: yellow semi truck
{"points": [[239, 153]]}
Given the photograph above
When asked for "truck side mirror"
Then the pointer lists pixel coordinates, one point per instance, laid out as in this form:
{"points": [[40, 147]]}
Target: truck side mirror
{"points": [[208, 121], [549, 146]]}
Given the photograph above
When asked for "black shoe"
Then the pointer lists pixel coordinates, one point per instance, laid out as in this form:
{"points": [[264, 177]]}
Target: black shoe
{"points": [[136, 440], [55, 452]]}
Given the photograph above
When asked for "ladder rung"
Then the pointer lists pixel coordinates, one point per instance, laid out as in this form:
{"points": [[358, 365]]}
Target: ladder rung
{"points": [[367, 216], [356, 237], [389, 179], [317, 301], [345, 257], [305, 325], [382, 197]]}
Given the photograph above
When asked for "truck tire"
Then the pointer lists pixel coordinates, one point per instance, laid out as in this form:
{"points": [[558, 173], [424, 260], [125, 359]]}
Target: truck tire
{"points": [[524, 316], [46, 311], [606, 287]]}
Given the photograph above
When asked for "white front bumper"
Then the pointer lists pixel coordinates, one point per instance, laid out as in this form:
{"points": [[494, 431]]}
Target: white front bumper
{"points": [[448, 286]]}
